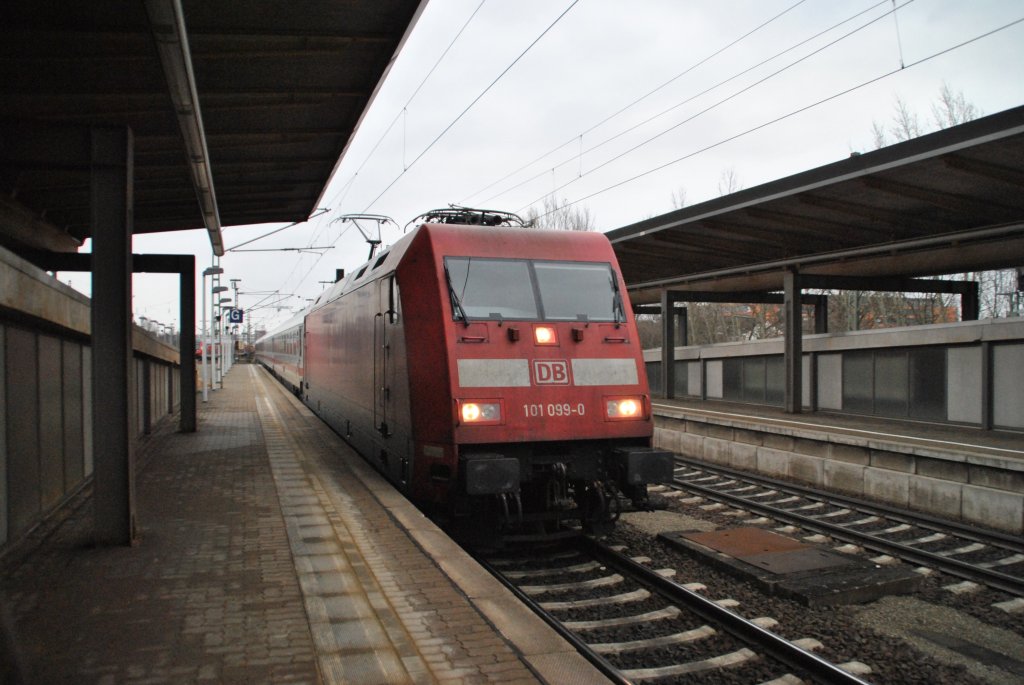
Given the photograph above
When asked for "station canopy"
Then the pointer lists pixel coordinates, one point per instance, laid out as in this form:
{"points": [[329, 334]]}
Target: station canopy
{"points": [[240, 112], [948, 202]]}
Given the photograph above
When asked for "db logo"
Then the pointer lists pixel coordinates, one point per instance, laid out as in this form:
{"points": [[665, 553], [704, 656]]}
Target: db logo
{"points": [[551, 372]]}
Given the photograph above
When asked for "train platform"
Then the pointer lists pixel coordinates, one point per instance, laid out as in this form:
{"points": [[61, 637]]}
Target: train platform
{"points": [[856, 429], [269, 553], [953, 472]]}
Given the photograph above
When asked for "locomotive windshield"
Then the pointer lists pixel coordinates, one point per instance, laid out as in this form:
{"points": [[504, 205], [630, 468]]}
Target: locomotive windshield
{"points": [[532, 289]]}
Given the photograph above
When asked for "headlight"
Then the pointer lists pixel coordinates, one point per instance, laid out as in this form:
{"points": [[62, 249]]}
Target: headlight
{"points": [[480, 412], [623, 408], [545, 335]]}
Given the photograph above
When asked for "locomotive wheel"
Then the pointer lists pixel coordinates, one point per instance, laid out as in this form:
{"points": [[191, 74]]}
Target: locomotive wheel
{"points": [[596, 504]]}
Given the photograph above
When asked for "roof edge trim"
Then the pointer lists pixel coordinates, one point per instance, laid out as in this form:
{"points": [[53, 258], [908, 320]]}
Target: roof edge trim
{"points": [[167, 22]]}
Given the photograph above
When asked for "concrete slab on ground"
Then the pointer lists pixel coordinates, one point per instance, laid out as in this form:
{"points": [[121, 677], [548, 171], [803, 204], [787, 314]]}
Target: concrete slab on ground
{"points": [[782, 566]]}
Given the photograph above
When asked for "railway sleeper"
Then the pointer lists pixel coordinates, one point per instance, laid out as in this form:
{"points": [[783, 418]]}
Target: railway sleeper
{"points": [[682, 638], [737, 658]]}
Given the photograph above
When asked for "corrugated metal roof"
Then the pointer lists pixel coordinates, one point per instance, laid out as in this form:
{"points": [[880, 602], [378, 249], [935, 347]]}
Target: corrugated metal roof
{"points": [[948, 202], [281, 88]]}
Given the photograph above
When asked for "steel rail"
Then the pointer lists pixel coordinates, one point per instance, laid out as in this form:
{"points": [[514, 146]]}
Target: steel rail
{"points": [[600, 663], [820, 670], [994, 538], [961, 569]]}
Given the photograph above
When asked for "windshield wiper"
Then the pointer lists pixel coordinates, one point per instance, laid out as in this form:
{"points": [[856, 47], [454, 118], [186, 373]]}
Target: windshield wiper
{"points": [[618, 311], [459, 312]]}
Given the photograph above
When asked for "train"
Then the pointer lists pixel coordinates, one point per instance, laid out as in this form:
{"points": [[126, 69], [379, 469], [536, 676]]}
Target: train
{"points": [[491, 371]]}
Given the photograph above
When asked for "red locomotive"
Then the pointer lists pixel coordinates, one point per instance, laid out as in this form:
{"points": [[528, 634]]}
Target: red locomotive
{"points": [[485, 370]]}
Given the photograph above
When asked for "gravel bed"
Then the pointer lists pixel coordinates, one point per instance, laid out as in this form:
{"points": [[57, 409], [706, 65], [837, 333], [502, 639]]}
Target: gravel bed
{"points": [[844, 639], [975, 604]]}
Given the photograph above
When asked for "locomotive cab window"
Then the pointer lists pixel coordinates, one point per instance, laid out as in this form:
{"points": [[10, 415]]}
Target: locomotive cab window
{"points": [[538, 290], [576, 291], [491, 288]]}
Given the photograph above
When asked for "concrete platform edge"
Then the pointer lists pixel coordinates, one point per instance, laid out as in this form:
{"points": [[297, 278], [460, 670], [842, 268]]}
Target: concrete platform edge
{"points": [[545, 652]]}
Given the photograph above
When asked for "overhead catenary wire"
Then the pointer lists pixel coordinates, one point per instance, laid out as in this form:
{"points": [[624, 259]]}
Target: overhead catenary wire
{"points": [[679, 104], [717, 104], [640, 99], [339, 197], [320, 211], [792, 113], [446, 129], [579, 190], [403, 111], [471, 104]]}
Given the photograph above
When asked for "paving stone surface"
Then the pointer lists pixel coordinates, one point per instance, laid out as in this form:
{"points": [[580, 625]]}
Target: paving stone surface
{"points": [[210, 592], [262, 559]]}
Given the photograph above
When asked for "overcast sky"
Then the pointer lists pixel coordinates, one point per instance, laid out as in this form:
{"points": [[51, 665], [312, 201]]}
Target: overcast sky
{"points": [[562, 103]]}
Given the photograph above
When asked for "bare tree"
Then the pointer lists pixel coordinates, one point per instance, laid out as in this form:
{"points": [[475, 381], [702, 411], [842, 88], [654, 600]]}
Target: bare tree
{"points": [[559, 215], [878, 135], [905, 122], [679, 198], [953, 108], [851, 311], [728, 182]]}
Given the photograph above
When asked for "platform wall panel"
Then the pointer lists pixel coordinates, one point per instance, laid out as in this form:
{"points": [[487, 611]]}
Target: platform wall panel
{"points": [[22, 390], [1008, 385], [87, 409], [51, 422], [830, 381], [46, 440], [74, 449], [140, 398], [930, 373], [963, 384], [3, 436]]}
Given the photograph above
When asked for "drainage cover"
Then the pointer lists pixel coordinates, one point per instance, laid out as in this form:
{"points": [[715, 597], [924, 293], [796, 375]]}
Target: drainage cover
{"points": [[769, 551]]}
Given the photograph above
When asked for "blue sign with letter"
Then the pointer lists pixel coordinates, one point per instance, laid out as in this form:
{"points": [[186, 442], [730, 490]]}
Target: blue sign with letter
{"points": [[235, 316]]}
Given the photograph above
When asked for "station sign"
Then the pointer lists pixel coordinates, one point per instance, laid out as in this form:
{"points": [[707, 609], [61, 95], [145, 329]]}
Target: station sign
{"points": [[235, 316]]}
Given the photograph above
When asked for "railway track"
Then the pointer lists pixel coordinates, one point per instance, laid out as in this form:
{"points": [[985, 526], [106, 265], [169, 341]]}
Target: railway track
{"points": [[639, 625], [975, 555]]}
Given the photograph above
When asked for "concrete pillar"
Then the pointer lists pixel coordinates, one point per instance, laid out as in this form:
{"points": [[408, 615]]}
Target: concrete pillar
{"points": [[668, 345], [111, 200], [187, 345], [793, 331]]}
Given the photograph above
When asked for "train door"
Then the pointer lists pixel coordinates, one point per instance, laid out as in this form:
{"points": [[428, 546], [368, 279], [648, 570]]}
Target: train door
{"points": [[383, 376]]}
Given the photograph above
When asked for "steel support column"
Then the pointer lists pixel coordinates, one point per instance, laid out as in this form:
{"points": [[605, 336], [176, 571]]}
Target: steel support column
{"points": [[111, 200], [187, 343], [668, 345], [793, 341]]}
